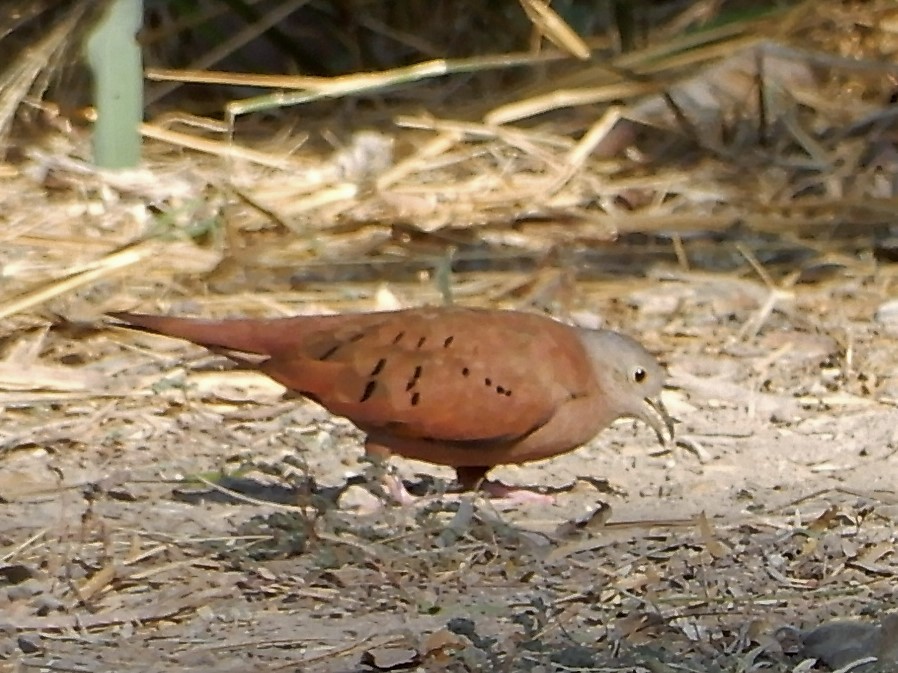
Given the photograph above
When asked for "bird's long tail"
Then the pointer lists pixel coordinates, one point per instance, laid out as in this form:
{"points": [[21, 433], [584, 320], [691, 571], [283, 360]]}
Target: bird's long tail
{"points": [[262, 337]]}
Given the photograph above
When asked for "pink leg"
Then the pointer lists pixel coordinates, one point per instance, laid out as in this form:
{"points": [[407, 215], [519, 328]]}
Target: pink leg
{"points": [[398, 491], [391, 483], [472, 478]]}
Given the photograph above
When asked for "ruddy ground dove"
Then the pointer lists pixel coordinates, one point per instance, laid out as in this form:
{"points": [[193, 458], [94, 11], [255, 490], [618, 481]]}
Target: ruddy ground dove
{"points": [[468, 388]]}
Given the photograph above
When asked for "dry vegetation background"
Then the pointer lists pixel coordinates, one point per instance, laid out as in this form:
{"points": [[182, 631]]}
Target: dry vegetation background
{"points": [[717, 178]]}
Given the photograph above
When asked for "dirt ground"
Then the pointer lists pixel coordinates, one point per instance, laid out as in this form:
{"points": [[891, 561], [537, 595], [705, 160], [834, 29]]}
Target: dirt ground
{"points": [[725, 193], [163, 514]]}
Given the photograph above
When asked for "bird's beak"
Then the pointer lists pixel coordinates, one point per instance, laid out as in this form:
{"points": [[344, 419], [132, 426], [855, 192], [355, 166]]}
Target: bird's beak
{"points": [[652, 411]]}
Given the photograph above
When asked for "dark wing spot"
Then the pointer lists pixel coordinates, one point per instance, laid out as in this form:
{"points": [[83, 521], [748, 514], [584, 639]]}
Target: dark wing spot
{"points": [[448, 341], [465, 371], [330, 351], [358, 336], [500, 390], [379, 367], [488, 382], [369, 390], [398, 337], [412, 381], [421, 342], [507, 393], [415, 399]]}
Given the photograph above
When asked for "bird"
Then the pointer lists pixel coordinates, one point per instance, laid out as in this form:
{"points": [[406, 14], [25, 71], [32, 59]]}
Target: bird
{"points": [[469, 388]]}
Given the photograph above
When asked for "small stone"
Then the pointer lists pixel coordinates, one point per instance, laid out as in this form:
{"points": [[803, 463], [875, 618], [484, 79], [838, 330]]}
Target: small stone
{"points": [[390, 658], [16, 573], [575, 657], [24, 590], [45, 604], [887, 313], [840, 643], [358, 498], [30, 643]]}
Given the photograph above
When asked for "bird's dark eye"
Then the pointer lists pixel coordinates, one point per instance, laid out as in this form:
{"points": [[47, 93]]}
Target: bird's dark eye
{"points": [[639, 375]]}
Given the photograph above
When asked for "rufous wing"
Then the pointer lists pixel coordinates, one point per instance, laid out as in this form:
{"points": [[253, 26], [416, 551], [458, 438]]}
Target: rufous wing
{"points": [[434, 380]]}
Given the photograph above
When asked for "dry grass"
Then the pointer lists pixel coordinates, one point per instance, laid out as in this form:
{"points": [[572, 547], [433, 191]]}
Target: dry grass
{"points": [[728, 195]]}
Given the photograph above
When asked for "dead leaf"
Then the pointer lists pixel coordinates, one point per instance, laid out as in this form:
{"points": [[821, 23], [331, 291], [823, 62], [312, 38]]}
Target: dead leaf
{"points": [[716, 548], [439, 643], [594, 519], [390, 658]]}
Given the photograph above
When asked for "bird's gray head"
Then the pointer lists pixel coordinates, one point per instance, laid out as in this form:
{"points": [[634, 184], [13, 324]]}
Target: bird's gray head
{"points": [[631, 378]]}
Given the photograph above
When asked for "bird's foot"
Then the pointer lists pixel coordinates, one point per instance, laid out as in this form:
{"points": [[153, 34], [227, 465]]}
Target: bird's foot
{"points": [[514, 494], [368, 494], [495, 489], [394, 489], [397, 491]]}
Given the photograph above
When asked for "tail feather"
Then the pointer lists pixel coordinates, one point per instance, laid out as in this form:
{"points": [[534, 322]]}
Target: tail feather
{"points": [[261, 337]]}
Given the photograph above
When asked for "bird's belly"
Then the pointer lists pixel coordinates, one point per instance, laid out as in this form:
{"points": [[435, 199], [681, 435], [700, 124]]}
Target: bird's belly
{"points": [[571, 427]]}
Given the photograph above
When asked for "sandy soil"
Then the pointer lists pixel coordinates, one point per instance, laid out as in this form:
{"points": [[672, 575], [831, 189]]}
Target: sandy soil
{"points": [[776, 508]]}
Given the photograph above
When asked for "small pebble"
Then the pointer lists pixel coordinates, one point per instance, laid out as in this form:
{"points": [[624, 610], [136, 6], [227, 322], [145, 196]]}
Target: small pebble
{"points": [[24, 590], [30, 643], [887, 313]]}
